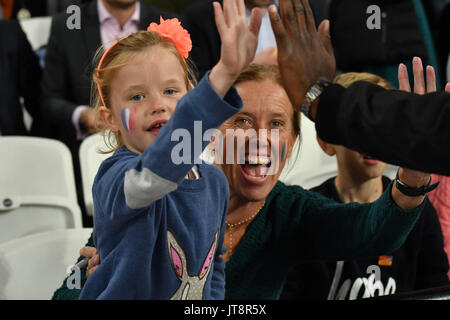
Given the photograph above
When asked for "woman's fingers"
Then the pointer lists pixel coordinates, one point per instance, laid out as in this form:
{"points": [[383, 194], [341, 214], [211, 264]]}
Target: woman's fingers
{"points": [[419, 82], [431, 80], [403, 78], [255, 21], [447, 87], [88, 252]]}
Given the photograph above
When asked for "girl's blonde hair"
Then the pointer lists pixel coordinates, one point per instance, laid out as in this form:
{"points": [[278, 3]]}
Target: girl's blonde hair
{"points": [[117, 57]]}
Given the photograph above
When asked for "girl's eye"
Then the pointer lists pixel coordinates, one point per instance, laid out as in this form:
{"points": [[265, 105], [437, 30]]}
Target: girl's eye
{"points": [[138, 97], [170, 91]]}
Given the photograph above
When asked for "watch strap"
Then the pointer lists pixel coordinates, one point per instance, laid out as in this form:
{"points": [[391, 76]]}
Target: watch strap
{"points": [[313, 93], [414, 191]]}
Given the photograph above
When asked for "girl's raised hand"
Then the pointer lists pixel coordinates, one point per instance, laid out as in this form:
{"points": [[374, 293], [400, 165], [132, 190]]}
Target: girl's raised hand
{"points": [[239, 42]]}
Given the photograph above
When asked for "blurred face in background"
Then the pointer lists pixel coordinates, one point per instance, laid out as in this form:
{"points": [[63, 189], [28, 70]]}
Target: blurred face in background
{"points": [[352, 164], [120, 4], [250, 4]]}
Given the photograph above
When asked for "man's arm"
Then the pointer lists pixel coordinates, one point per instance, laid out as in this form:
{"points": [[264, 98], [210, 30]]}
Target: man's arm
{"points": [[396, 127]]}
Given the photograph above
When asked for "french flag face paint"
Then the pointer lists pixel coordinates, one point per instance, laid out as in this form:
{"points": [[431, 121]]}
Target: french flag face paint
{"points": [[128, 116], [283, 151]]}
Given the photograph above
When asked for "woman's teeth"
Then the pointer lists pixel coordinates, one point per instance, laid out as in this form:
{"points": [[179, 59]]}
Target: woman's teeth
{"points": [[258, 160]]}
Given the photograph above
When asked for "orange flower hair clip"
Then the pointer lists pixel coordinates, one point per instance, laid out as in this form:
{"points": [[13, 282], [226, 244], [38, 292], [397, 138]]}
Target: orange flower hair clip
{"points": [[172, 29]]}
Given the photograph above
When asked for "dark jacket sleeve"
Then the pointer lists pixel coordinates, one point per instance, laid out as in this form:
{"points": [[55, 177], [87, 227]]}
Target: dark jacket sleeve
{"points": [[29, 76], [396, 127], [63, 292], [199, 21], [432, 260], [56, 102]]}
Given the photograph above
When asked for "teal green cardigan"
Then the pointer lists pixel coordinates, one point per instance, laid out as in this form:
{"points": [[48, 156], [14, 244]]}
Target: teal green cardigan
{"points": [[298, 225]]}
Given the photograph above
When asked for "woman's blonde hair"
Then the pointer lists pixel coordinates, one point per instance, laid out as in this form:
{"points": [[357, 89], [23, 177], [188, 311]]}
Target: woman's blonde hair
{"points": [[346, 79], [117, 57]]}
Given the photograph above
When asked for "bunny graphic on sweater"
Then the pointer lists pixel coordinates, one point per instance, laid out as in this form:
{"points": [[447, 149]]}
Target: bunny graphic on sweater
{"points": [[191, 287]]}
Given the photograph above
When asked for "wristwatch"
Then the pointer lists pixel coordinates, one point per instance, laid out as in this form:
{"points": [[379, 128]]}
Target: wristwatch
{"points": [[313, 93], [414, 191]]}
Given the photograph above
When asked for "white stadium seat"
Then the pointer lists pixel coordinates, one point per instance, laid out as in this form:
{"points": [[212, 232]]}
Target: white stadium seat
{"points": [[33, 267], [37, 187], [90, 160]]}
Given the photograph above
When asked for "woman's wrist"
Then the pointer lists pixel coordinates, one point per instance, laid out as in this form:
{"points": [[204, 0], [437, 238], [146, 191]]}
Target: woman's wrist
{"points": [[413, 179]]}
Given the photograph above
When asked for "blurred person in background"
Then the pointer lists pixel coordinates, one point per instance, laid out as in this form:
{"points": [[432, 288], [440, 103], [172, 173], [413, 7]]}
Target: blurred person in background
{"points": [[20, 75], [420, 263]]}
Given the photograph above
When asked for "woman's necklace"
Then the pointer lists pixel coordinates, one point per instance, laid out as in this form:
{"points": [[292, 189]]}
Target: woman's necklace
{"points": [[230, 226]]}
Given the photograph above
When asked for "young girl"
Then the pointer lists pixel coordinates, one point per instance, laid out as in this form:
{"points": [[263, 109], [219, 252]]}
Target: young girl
{"points": [[159, 226]]}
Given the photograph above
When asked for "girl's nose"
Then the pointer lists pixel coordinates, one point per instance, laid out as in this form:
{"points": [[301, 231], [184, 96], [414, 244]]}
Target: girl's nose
{"points": [[158, 108]]}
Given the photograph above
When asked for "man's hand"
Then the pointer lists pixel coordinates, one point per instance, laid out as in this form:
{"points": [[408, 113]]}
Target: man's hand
{"points": [[305, 55], [90, 120]]}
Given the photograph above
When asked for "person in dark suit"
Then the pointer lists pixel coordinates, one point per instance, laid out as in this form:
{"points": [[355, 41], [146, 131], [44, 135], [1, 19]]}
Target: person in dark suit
{"points": [[20, 74], [67, 73]]}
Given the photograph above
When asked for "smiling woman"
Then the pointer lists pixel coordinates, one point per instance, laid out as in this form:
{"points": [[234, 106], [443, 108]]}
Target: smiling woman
{"points": [[271, 226]]}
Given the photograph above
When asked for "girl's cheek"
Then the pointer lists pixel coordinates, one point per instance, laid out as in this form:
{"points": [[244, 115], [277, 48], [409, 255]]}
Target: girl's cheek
{"points": [[128, 116]]}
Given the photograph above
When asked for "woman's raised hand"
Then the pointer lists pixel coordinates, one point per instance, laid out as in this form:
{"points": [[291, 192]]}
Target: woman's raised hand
{"points": [[410, 177], [239, 42]]}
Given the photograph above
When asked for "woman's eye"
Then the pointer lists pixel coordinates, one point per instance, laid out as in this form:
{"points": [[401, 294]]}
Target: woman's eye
{"points": [[242, 121], [276, 123], [138, 97]]}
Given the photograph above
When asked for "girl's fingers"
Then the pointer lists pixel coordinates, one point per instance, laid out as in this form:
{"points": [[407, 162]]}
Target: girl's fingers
{"points": [[431, 80], [403, 78], [230, 11], [419, 82], [241, 8], [447, 87], [220, 19]]}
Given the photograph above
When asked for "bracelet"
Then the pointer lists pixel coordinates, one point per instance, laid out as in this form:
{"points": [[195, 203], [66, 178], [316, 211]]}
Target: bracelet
{"points": [[414, 191]]}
